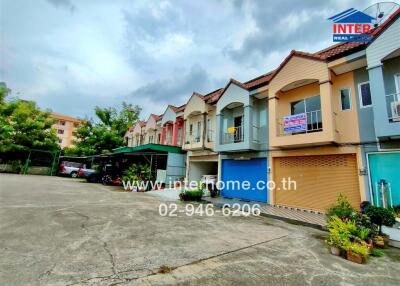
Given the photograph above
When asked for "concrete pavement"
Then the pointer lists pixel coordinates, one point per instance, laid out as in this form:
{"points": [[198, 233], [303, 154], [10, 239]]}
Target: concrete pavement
{"points": [[61, 231]]}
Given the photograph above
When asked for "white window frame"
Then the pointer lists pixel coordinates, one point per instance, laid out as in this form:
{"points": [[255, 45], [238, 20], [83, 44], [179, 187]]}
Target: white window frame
{"points": [[359, 94], [397, 84], [340, 99]]}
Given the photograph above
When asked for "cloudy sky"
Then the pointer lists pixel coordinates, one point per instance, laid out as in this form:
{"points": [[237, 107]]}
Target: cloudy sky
{"points": [[73, 55]]}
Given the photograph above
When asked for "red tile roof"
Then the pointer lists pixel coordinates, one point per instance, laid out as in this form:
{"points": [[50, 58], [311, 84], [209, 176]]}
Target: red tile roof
{"points": [[180, 108], [259, 81], [213, 96], [155, 116], [173, 107]]}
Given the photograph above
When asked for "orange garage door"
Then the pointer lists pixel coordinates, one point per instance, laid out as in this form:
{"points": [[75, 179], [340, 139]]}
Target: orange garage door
{"points": [[320, 180]]}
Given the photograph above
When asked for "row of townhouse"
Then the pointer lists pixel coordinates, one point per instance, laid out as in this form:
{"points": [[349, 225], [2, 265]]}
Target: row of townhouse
{"points": [[348, 95]]}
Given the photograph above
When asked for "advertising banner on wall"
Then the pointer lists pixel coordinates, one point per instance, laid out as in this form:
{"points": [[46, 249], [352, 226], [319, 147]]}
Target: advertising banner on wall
{"points": [[295, 123]]}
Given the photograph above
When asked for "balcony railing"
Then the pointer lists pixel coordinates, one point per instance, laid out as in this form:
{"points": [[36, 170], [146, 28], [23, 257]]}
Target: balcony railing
{"points": [[234, 137], [393, 107], [314, 124]]}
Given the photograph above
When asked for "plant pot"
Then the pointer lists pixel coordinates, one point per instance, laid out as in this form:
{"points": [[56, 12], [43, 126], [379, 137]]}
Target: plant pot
{"points": [[335, 250], [386, 240], [355, 257], [370, 244]]}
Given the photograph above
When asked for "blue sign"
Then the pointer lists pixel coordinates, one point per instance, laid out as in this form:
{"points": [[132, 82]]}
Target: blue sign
{"points": [[295, 123]]}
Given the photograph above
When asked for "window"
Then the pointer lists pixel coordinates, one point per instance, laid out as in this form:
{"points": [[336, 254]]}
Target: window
{"points": [[59, 140], [191, 129], [345, 99], [312, 107], [179, 136], [198, 131], [159, 139], [209, 130], [61, 122], [364, 93], [60, 131]]}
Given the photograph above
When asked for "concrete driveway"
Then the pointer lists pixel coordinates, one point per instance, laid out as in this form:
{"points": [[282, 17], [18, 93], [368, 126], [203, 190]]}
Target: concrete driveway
{"points": [[61, 231]]}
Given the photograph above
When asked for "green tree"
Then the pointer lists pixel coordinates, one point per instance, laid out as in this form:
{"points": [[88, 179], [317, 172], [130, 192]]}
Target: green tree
{"points": [[24, 125], [107, 133]]}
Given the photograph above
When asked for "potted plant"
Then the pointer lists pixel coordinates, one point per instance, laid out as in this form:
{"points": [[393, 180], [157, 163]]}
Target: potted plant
{"points": [[357, 252], [381, 216], [340, 233]]}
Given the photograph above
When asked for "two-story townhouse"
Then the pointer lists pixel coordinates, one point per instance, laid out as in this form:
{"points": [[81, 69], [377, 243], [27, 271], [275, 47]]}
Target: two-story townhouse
{"points": [[242, 139], [199, 138], [172, 126], [379, 97], [323, 156], [135, 135], [153, 130]]}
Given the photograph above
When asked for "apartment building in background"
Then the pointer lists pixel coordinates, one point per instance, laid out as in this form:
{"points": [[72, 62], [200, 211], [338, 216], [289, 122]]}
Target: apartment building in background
{"points": [[65, 126]]}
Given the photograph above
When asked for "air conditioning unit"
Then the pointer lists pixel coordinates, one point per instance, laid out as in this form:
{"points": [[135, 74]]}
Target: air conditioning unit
{"points": [[395, 110]]}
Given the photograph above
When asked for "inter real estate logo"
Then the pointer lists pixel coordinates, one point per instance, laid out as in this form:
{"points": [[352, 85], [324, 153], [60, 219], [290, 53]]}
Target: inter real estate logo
{"points": [[352, 26]]}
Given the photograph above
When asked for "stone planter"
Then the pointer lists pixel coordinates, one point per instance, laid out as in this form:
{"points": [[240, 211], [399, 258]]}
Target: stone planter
{"points": [[335, 250], [355, 257]]}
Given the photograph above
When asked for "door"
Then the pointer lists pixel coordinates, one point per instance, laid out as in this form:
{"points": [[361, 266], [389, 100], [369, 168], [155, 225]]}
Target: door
{"points": [[319, 181], [385, 166], [235, 172], [238, 124]]}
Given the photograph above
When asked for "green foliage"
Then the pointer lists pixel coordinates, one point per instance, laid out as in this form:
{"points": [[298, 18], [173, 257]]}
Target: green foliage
{"points": [[107, 133], [396, 209], [342, 209], [340, 232], [358, 248], [191, 195], [24, 126], [376, 252], [381, 216], [137, 173], [363, 233], [364, 221]]}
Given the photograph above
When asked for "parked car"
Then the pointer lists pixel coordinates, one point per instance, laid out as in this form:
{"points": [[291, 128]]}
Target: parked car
{"points": [[71, 169], [89, 174]]}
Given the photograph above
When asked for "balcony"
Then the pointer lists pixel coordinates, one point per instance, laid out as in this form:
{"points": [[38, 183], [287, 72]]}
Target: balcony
{"points": [[393, 107], [236, 136], [312, 122]]}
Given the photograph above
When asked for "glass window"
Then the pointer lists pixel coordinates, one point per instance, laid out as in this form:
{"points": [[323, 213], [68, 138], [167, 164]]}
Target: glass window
{"points": [[209, 130], [191, 129], [365, 94], [198, 131], [298, 107], [345, 99], [312, 107]]}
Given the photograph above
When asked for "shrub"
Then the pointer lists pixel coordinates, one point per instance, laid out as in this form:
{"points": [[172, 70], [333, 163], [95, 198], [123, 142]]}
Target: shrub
{"points": [[358, 248], [397, 210], [376, 252], [137, 172], [191, 195], [381, 216], [364, 221], [342, 209], [340, 232]]}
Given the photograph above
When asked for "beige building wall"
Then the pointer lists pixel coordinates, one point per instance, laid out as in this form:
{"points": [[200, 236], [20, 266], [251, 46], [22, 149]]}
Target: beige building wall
{"points": [[65, 126]]}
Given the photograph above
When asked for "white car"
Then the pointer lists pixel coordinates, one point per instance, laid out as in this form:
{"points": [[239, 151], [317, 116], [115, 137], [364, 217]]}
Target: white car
{"points": [[69, 168]]}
